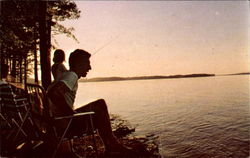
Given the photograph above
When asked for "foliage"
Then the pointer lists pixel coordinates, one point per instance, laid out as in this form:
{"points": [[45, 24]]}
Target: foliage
{"points": [[19, 34], [60, 11]]}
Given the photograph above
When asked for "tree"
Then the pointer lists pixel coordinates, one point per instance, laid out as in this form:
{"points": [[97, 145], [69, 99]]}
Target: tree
{"points": [[22, 29], [16, 35], [50, 13]]}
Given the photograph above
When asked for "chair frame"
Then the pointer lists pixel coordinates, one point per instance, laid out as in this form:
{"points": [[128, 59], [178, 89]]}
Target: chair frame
{"points": [[15, 113]]}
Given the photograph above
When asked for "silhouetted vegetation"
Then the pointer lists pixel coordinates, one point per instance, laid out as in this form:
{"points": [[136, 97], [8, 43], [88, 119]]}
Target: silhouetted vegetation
{"points": [[243, 73], [26, 27]]}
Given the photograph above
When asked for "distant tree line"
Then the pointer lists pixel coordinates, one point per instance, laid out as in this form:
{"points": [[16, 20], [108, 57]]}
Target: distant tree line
{"points": [[26, 28]]}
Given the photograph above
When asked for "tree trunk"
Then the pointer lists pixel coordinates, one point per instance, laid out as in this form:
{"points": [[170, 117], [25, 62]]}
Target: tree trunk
{"points": [[44, 45], [25, 73], [20, 70], [35, 48], [35, 66], [35, 57], [13, 69]]}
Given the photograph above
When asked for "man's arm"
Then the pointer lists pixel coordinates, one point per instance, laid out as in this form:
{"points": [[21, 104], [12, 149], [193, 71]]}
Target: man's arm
{"points": [[57, 96]]}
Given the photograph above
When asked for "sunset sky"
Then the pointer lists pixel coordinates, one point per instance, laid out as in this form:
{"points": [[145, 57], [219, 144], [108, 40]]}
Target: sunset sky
{"points": [[142, 38]]}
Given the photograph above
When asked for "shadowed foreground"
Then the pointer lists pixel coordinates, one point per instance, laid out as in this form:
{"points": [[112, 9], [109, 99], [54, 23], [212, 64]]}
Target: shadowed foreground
{"points": [[144, 146]]}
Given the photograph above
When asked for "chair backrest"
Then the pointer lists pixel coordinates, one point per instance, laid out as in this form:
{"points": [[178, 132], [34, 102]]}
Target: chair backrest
{"points": [[37, 98], [12, 97], [39, 106], [13, 103]]}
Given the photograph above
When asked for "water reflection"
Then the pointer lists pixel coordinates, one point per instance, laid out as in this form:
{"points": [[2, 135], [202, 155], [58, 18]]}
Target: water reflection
{"points": [[195, 117]]}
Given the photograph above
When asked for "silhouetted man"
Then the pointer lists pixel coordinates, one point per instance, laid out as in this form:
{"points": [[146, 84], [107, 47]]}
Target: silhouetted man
{"points": [[62, 94]]}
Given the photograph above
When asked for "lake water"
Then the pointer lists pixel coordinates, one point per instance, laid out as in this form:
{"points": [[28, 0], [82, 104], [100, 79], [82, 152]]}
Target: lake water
{"points": [[190, 117]]}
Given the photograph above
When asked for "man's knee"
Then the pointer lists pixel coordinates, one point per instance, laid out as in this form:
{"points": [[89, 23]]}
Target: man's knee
{"points": [[101, 103]]}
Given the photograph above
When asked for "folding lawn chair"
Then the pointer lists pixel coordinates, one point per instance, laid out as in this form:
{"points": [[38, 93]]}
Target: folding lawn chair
{"points": [[44, 118], [14, 115]]}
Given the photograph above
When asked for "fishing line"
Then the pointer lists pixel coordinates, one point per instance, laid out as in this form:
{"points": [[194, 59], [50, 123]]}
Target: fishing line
{"points": [[106, 44]]}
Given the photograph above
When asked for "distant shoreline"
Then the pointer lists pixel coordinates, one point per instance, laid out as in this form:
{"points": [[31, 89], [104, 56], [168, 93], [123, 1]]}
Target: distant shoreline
{"points": [[104, 79], [244, 73]]}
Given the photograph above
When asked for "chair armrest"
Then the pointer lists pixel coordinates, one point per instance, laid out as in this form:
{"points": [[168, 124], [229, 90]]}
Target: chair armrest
{"points": [[74, 115]]}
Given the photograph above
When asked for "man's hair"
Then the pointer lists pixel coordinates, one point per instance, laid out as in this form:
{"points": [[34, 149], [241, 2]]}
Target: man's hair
{"points": [[4, 70], [59, 56], [77, 56]]}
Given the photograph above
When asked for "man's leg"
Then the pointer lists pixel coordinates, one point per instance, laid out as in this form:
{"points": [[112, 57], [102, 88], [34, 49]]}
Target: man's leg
{"points": [[101, 121]]}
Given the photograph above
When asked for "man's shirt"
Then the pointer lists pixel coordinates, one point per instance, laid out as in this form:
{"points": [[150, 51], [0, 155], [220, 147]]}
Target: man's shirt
{"points": [[62, 93], [70, 78]]}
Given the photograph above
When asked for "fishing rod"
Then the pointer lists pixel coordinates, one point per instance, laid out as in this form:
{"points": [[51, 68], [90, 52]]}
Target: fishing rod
{"points": [[106, 44]]}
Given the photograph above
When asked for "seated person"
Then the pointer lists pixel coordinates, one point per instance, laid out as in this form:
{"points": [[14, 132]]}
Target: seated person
{"points": [[62, 95], [58, 67]]}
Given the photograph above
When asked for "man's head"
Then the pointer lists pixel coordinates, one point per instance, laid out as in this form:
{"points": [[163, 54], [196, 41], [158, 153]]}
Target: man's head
{"points": [[79, 62], [4, 70]]}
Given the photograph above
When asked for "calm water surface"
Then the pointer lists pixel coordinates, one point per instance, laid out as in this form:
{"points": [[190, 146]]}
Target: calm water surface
{"points": [[190, 117]]}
